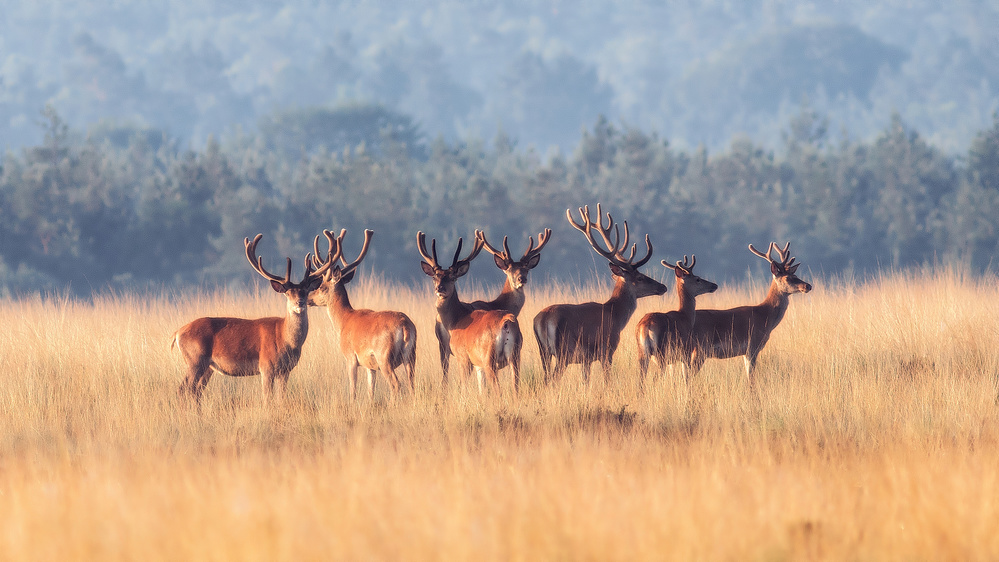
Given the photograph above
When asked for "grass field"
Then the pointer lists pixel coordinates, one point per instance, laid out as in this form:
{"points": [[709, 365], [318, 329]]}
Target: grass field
{"points": [[874, 434]]}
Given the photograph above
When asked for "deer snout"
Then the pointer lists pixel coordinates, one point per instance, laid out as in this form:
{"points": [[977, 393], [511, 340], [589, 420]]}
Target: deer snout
{"points": [[805, 287]]}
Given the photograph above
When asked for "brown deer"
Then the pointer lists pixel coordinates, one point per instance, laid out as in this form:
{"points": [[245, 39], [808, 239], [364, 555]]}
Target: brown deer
{"points": [[269, 346], [588, 332], [667, 335], [487, 340], [744, 330], [376, 340], [511, 298]]}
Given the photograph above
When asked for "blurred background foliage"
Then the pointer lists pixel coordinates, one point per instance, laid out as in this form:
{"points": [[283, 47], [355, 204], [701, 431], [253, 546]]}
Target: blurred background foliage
{"points": [[144, 140], [126, 209]]}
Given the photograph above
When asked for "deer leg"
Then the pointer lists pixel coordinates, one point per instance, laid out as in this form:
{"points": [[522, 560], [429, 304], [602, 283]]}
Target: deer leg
{"points": [[194, 382], [444, 343], [267, 385], [372, 379], [352, 367], [479, 374], [515, 367], [696, 361], [643, 366], [411, 375], [281, 387], [750, 360]]}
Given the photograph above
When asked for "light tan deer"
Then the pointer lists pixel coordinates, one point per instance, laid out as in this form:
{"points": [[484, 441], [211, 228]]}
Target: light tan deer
{"points": [[376, 340], [588, 332], [667, 336], [745, 330], [487, 340], [237, 347], [511, 298]]}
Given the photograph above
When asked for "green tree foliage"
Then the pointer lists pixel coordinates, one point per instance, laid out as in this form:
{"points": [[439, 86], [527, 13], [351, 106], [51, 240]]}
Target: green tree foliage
{"points": [[127, 208]]}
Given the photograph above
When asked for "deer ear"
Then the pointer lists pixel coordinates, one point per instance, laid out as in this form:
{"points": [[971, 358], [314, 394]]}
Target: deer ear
{"points": [[347, 278], [427, 268], [616, 269], [680, 273], [279, 287], [775, 270], [461, 270], [532, 262], [315, 284], [500, 262], [791, 270]]}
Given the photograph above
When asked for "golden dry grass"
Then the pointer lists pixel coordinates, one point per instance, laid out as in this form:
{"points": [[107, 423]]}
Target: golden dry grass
{"points": [[874, 435]]}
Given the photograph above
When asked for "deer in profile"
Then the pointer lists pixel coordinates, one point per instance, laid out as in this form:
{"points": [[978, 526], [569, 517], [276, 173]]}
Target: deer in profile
{"points": [[376, 340], [588, 332], [744, 330], [511, 297], [667, 336], [269, 347], [487, 340]]}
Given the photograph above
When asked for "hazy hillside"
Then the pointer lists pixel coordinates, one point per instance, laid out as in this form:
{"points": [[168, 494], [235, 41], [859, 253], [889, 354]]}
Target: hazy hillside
{"points": [[693, 72]]}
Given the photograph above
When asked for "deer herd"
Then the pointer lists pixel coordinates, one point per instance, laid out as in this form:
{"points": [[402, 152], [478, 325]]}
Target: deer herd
{"points": [[485, 336]]}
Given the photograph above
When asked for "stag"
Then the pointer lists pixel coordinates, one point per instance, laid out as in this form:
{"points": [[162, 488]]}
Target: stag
{"points": [[745, 330], [511, 298], [588, 332], [376, 340], [487, 340], [667, 335], [269, 347]]}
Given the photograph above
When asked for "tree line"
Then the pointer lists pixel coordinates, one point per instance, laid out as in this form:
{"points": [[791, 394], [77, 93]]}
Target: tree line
{"points": [[133, 209]]}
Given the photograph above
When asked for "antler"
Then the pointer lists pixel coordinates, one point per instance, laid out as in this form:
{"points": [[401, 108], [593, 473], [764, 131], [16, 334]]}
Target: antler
{"points": [[785, 260], [614, 253], [258, 264], [336, 243], [687, 268], [347, 268], [531, 250], [505, 255], [431, 257]]}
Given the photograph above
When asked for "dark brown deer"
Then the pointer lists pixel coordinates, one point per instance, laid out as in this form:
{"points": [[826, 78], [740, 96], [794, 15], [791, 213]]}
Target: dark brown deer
{"points": [[745, 330], [269, 347], [487, 340], [376, 340], [667, 336], [588, 332]]}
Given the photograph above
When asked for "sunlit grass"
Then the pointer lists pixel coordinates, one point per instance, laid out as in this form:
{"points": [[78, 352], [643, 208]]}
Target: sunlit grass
{"points": [[873, 435]]}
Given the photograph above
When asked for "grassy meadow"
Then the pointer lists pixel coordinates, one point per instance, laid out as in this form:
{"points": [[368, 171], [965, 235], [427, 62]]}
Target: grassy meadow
{"points": [[874, 434]]}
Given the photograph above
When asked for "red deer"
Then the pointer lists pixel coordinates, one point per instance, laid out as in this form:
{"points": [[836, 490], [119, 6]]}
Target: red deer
{"points": [[667, 335], [511, 298], [744, 330], [376, 340], [487, 340], [269, 347], [588, 332]]}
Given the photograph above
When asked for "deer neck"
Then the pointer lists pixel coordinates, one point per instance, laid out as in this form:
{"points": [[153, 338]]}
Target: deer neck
{"points": [[776, 303], [451, 310], [510, 299], [296, 326], [687, 304], [339, 308], [622, 303]]}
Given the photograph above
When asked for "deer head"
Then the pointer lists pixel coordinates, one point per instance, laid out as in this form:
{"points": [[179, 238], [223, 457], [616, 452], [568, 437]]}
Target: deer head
{"points": [[444, 279], [783, 269]]}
